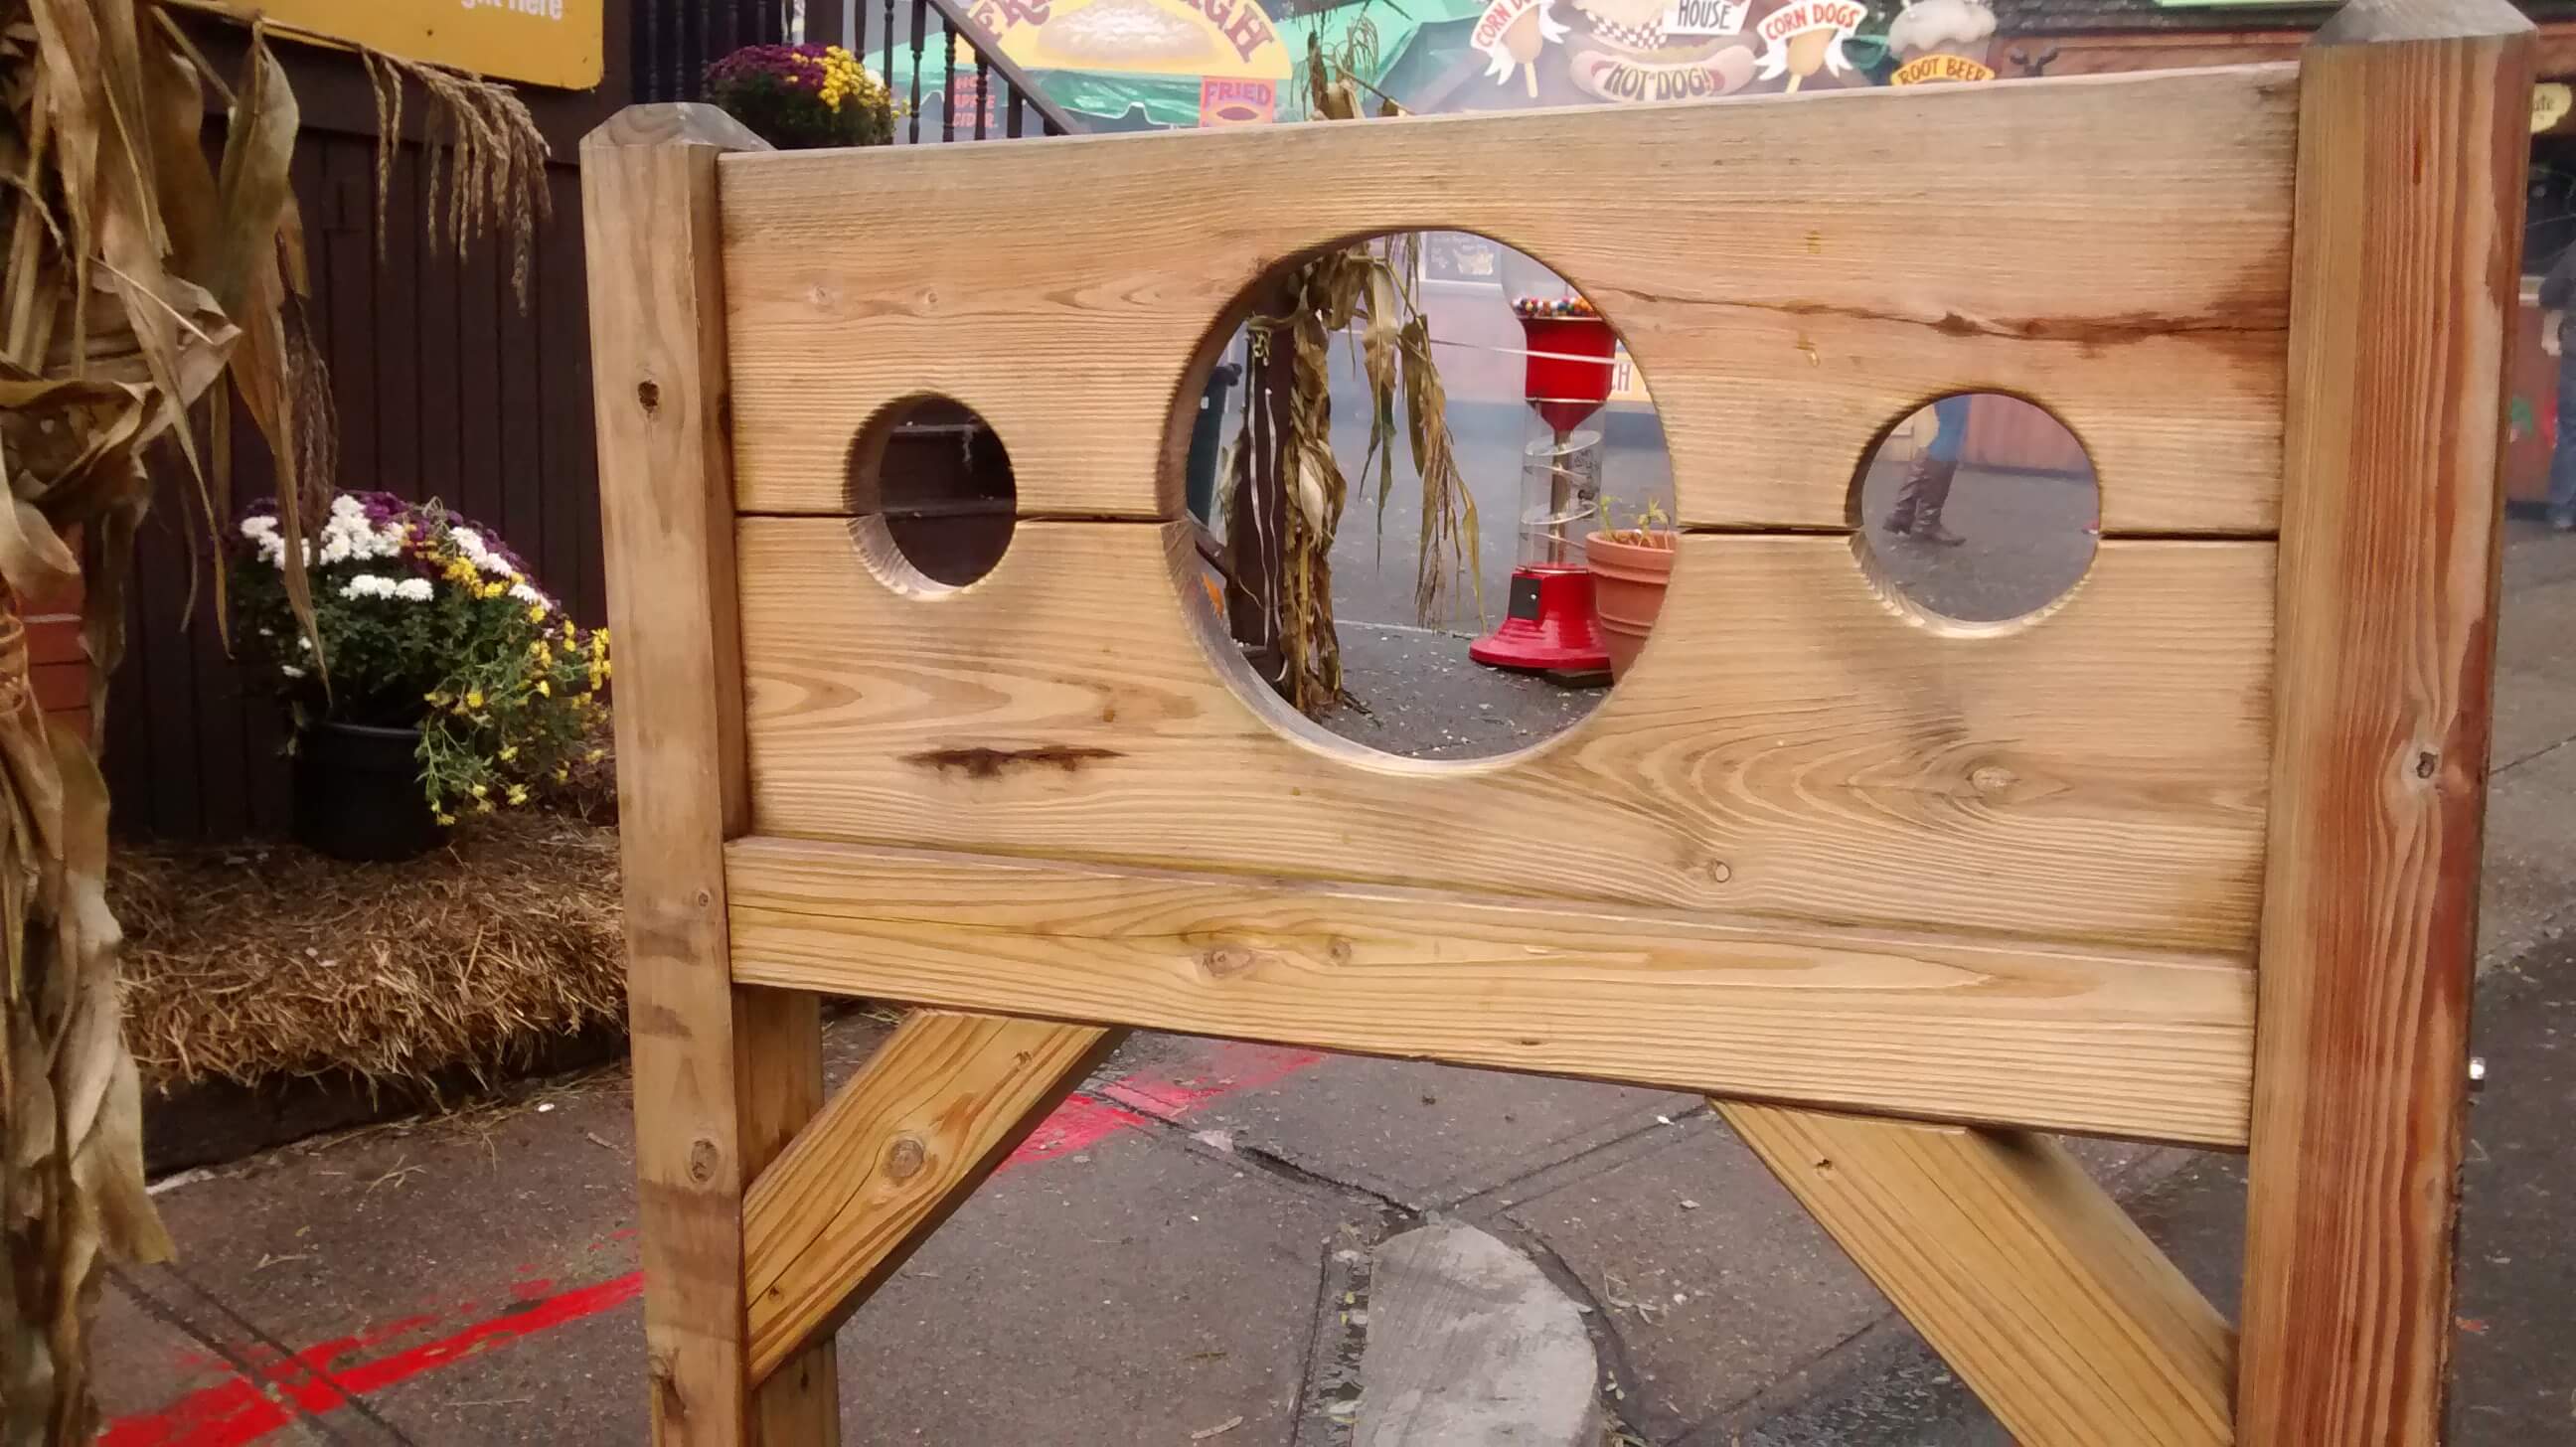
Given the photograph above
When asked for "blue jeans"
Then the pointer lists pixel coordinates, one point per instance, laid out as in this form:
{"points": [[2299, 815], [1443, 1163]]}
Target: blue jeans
{"points": [[2562, 458]]}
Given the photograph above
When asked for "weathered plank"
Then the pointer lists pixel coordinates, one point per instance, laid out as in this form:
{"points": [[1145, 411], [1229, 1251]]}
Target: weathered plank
{"points": [[899, 1147], [723, 1074], [2411, 161], [1791, 274], [2154, 1046], [2027, 1278], [1788, 745]]}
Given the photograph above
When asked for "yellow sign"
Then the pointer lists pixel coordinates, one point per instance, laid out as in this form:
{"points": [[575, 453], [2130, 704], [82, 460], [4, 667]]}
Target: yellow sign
{"points": [[1227, 39], [1925, 69], [542, 42], [2550, 104]]}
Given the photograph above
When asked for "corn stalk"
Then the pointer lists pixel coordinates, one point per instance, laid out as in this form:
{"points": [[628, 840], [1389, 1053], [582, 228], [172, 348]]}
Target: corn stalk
{"points": [[1367, 286], [142, 281]]}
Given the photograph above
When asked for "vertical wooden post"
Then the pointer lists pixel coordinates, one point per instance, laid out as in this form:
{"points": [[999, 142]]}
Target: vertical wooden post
{"points": [[724, 1075], [2407, 231]]}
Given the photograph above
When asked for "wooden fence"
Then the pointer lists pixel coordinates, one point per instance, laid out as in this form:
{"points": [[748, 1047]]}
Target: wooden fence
{"points": [[1899, 894]]}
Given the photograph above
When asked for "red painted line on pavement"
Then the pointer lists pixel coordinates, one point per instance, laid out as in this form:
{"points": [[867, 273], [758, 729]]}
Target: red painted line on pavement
{"points": [[245, 1409]]}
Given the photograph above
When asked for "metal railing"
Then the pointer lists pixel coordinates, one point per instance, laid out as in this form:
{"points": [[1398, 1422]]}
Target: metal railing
{"points": [[999, 99], [988, 97]]}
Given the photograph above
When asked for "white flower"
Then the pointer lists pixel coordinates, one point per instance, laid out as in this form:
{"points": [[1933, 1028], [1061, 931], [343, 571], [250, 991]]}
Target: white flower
{"points": [[413, 590], [367, 585], [480, 553], [261, 527], [530, 596], [290, 670]]}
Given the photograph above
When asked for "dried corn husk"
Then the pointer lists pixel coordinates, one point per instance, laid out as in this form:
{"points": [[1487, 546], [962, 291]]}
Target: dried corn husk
{"points": [[1370, 286]]}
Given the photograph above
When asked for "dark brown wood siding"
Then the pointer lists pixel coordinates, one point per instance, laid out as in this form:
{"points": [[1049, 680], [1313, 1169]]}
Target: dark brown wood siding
{"points": [[446, 388]]}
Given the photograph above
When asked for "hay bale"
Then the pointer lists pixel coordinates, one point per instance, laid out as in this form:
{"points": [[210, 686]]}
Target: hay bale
{"points": [[250, 962]]}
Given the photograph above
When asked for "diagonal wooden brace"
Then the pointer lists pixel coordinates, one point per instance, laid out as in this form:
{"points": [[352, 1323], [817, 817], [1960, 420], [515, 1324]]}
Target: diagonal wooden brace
{"points": [[898, 1148], [2025, 1275]]}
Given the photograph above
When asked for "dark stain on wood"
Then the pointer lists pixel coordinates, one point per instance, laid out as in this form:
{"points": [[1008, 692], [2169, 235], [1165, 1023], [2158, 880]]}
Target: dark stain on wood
{"points": [[980, 763]]}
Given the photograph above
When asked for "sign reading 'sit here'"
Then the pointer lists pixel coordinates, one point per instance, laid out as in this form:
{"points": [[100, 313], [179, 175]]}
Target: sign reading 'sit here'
{"points": [[541, 42]]}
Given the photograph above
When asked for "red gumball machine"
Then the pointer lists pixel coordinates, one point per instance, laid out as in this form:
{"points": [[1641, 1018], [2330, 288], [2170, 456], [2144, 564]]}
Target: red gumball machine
{"points": [[1548, 625]]}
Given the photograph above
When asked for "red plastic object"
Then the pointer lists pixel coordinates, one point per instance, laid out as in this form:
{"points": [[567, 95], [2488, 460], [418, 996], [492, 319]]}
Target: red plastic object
{"points": [[1564, 384], [1549, 626]]}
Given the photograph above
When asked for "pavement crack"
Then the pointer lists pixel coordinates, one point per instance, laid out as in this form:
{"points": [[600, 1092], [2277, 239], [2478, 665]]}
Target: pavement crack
{"points": [[1272, 1164], [1616, 1363], [349, 1397]]}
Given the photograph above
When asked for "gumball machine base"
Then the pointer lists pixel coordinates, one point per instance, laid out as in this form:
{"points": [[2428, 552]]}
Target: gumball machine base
{"points": [[1548, 627]]}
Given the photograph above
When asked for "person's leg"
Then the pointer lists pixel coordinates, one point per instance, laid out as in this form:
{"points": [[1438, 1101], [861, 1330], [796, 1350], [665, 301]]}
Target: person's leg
{"points": [[1909, 497], [2562, 457], [1935, 495]]}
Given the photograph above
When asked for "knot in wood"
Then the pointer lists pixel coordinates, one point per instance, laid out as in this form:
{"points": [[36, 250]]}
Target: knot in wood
{"points": [[905, 1158], [1716, 871], [703, 1156], [648, 395], [1222, 962], [1991, 779]]}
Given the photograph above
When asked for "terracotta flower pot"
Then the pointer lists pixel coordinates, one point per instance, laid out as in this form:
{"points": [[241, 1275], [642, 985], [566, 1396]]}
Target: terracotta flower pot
{"points": [[1628, 582]]}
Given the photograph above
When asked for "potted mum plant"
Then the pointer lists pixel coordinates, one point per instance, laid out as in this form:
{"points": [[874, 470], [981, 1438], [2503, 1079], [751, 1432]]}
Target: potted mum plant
{"points": [[453, 686], [1631, 567], [797, 97]]}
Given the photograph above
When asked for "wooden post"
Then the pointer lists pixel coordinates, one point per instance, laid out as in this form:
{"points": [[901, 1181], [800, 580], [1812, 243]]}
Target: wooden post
{"points": [[2407, 229], [724, 1075]]}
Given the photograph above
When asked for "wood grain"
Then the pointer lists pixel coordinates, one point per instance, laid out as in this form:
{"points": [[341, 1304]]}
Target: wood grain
{"points": [[1789, 744], [2027, 1278], [2153, 1046], [2411, 165], [917, 1129], [1792, 275], [722, 1074]]}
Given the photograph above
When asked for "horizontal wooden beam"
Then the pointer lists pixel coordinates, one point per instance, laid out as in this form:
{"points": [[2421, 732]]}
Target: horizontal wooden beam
{"points": [[901, 1145], [1790, 745], [2025, 1275], [1834, 305], [2155, 1046]]}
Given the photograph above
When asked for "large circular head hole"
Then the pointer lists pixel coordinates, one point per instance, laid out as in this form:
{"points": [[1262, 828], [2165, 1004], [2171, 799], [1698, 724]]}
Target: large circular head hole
{"points": [[1979, 509], [930, 494], [1439, 502]]}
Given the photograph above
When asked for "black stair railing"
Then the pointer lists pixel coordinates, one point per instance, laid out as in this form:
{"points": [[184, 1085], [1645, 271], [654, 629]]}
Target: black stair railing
{"points": [[676, 40]]}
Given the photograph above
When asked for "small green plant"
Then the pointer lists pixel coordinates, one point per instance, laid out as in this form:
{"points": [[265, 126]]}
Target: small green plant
{"points": [[1652, 526]]}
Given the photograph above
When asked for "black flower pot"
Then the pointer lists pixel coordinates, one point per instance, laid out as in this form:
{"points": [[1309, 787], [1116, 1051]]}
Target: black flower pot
{"points": [[357, 794]]}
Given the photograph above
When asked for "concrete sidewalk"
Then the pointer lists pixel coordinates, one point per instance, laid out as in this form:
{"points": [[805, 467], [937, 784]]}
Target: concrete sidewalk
{"points": [[1181, 1256]]}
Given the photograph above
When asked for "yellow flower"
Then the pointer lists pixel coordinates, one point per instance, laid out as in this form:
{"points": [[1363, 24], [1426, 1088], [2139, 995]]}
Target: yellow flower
{"points": [[536, 612], [546, 689], [518, 794], [435, 700], [446, 818], [478, 791], [606, 668], [594, 756], [474, 698], [483, 808], [562, 775], [509, 752]]}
